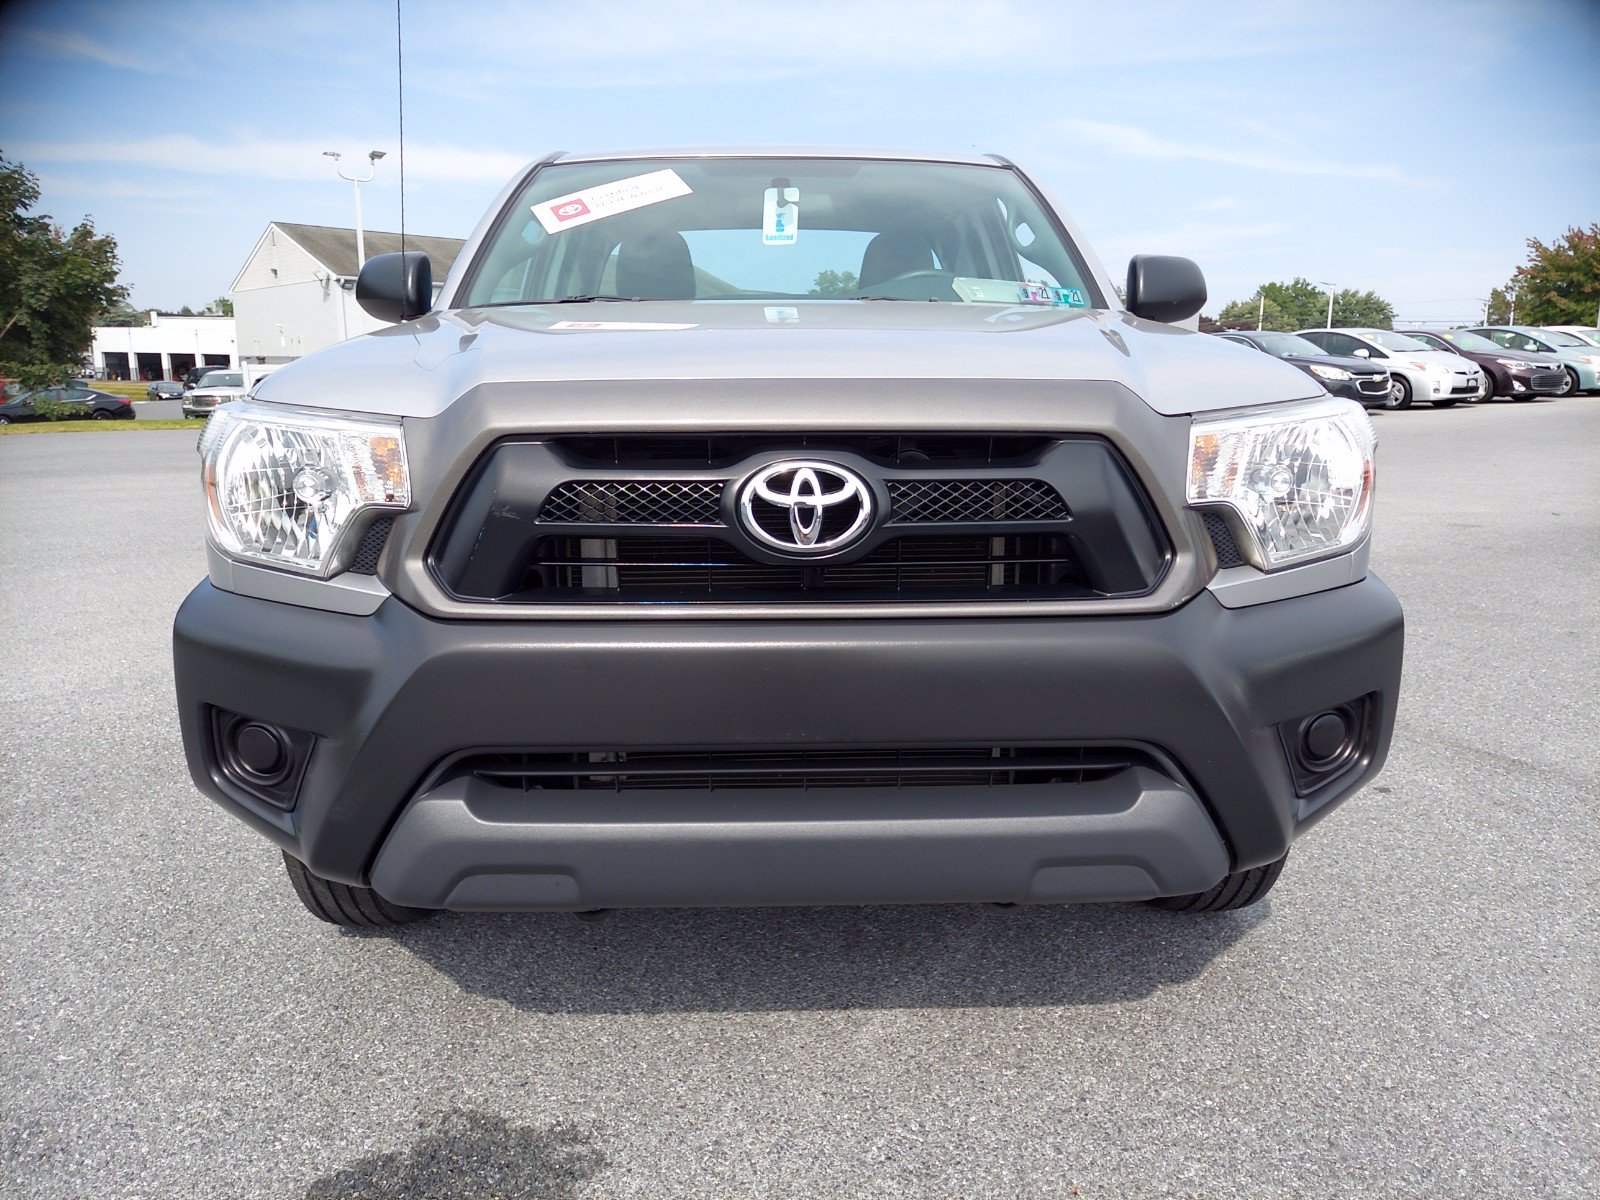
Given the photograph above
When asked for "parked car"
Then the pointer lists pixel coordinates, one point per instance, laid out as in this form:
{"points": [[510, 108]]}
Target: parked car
{"points": [[194, 375], [1580, 360], [1513, 376], [216, 387], [82, 404], [1353, 378], [1417, 371], [1014, 593], [1592, 336], [164, 389]]}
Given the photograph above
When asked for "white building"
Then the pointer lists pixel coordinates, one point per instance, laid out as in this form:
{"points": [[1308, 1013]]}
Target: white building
{"points": [[296, 291], [163, 349]]}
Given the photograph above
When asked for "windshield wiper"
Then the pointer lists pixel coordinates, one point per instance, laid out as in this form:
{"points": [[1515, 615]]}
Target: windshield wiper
{"points": [[586, 299], [901, 299]]}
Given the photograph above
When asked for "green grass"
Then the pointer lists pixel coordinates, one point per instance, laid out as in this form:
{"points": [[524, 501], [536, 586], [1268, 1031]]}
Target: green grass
{"points": [[134, 391], [96, 427]]}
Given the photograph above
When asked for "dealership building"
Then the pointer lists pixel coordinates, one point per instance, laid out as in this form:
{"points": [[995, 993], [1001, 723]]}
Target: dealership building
{"points": [[164, 349], [296, 291]]}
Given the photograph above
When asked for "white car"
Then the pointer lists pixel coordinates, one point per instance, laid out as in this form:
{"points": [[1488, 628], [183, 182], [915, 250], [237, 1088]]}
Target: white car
{"points": [[1416, 370], [1584, 332], [219, 387]]}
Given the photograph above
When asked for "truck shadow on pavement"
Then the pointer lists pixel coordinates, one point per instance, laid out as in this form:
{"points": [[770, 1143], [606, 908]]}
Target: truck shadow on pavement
{"points": [[466, 1155], [784, 959]]}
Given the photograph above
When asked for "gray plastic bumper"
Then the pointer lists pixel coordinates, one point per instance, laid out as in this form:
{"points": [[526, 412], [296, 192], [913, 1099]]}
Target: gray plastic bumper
{"points": [[470, 844]]}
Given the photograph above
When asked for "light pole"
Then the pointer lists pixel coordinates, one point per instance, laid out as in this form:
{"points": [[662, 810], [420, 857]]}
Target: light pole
{"points": [[372, 169], [1329, 286]]}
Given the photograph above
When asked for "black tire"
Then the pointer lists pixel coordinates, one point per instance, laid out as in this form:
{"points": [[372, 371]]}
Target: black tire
{"points": [[1399, 392], [1490, 391], [344, 904], [4, 420], [1572, 382], [101, 414], [1239, 890]]}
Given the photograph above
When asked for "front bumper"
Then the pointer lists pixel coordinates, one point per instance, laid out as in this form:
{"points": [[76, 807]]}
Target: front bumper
{"points": [[390, 697]]}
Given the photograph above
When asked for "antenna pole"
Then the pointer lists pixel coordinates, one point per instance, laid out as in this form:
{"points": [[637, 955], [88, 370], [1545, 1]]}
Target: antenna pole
{"points": [[400, 79]]}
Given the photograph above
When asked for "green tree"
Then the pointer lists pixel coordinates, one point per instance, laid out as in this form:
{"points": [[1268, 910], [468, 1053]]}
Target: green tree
{"points": [[53, 282], [834, 283], [1502, 305], [1559, 284], [222, 306], [1301, 304], [124, 314]]}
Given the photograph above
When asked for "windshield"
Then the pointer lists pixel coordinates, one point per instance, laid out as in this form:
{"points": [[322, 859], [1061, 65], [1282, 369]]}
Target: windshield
{"points": [[1556, 338], [1395, 341], [1288, 345], [786, 229], [1469, 341], [223, 379]]}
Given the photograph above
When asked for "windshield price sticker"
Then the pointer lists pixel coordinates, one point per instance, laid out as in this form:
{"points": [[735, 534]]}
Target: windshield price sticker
{"points": [[780, 223], [1043, 293], [609, 199]]}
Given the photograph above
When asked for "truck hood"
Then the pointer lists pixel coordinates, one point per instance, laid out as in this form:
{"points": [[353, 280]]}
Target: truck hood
{"points": [[420, 367]]}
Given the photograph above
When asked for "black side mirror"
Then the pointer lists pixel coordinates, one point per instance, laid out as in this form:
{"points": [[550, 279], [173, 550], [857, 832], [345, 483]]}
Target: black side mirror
{"points": [[396, 287], [1164, 288]]}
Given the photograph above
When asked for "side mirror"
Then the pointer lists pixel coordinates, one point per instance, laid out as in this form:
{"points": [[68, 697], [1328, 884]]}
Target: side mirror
{"points": [[1164, 288], [1361, 352], [396, 287]]}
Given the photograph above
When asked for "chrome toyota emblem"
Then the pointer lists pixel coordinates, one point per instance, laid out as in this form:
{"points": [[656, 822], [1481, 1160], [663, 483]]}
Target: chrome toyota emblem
{"points": [[805, 507]]}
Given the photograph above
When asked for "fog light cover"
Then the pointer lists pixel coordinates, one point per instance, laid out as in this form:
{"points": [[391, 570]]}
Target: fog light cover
{"points": [[284, 487], [1300, 476]]}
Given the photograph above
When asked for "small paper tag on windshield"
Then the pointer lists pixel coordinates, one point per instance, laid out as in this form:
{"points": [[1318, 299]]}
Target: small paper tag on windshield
{"points": [[609, 199], [620, 326], [780, 222]]}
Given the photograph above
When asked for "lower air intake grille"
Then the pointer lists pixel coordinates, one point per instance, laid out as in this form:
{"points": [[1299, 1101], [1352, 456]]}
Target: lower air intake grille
{"points": [[975, 500], [370, 548], [694, 770]]}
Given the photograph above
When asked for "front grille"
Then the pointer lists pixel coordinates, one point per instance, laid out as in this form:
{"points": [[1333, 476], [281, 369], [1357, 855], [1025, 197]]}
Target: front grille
{"points": [[905, 568], [647, 520], [635, 502], [974, 500], [1547, 383], [800, 769], [1374, 385]]}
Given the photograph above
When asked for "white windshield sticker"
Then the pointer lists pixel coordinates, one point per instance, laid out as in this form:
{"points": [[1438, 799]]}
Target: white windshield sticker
{"points": [[780, 223], [609, 199]]}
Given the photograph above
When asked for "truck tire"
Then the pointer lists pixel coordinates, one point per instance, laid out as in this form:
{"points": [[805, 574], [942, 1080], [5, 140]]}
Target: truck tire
{"points": [[344, 904], [1239, 890]]}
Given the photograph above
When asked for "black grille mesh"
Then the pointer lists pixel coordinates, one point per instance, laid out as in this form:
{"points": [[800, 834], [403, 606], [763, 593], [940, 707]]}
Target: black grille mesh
{"points": [[975, 500], [802, 769], [690, 568], [1222, 540], [635, 502], [370, 549]]}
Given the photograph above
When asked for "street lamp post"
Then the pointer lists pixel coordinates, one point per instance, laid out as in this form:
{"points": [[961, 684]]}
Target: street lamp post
{"points": [[1329, 286], [372, 169]]}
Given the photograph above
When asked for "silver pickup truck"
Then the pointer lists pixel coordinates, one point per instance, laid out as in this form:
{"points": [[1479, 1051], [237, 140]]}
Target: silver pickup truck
{"points": [[784, 527]]}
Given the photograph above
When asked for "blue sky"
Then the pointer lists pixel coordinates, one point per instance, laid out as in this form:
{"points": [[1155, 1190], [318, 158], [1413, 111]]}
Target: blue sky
{"points": [[1408, 147]]}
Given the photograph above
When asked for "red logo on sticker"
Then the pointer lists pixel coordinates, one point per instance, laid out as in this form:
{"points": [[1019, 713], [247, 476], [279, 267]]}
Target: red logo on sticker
{"points": [[572, 208]]}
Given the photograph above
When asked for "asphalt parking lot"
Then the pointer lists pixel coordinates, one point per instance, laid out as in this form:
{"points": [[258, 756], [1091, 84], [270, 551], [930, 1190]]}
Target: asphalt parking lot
{"points": [[1411, 1013]]}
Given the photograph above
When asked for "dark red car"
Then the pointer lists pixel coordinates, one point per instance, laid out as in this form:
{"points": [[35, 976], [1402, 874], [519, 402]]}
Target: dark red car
{"points": [[1511, 375]]}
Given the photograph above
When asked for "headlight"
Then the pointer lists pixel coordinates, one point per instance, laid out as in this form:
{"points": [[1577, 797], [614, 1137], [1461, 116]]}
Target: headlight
{"points": [[1516, 364], [1335, 373], [285, 487], [1421, 366], [1300, 476]]}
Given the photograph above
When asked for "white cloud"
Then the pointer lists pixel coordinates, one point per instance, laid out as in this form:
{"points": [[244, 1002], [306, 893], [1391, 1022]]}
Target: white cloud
{"points": [[279, 160], [70, 43], [1130, 141]]}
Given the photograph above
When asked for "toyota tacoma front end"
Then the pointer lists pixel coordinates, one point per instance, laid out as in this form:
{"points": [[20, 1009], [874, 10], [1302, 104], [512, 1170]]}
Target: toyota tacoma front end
{"points": [[783, 528]]}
